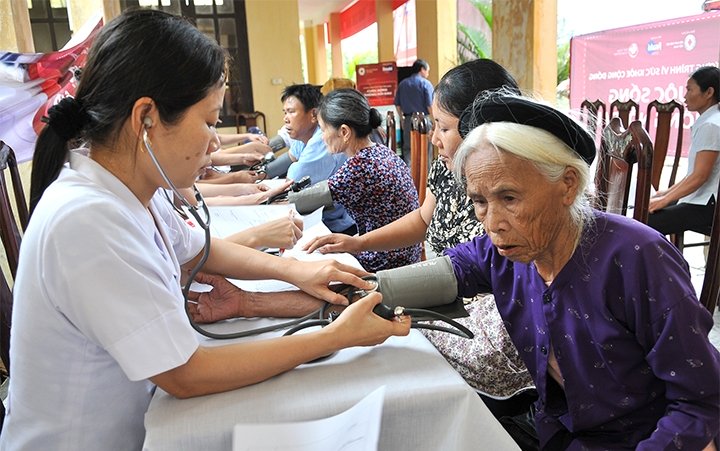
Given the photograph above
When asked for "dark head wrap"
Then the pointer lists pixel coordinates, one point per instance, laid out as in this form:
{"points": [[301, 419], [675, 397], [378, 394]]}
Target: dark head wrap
{"points": [[67, 118], [499, 107]]}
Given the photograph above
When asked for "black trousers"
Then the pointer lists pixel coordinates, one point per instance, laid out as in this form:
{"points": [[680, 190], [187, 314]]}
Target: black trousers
{"points": [[681, 217]]}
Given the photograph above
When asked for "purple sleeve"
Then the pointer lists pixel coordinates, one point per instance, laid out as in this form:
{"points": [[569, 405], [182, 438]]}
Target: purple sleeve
{"points": [[471, 263]]}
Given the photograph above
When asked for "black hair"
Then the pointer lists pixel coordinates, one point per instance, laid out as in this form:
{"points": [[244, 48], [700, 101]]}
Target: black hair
{"points": [[349, 107], [458, 88], [708, 77], [308, 95], [141, 53], [419, 65]]}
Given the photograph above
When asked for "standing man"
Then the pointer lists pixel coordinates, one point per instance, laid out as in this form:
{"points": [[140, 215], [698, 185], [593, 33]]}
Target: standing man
{"points": [[308, 152], [414, 95]]}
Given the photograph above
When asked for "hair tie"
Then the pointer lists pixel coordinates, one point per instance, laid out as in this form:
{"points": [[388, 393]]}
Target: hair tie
{"points": [[67, 118], [498, 107]]}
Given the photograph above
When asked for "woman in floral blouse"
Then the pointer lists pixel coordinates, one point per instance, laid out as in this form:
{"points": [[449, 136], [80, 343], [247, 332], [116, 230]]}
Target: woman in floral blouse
{"points": [[490, 362], [374, 185]]}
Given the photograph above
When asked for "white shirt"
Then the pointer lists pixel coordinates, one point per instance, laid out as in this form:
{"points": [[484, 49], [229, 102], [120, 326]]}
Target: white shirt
{"points": [[97, 311], [705, 136]]}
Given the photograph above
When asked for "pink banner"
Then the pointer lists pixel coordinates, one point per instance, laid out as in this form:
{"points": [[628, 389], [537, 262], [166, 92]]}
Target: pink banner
{"points": [[644, 63], [31, 83]]}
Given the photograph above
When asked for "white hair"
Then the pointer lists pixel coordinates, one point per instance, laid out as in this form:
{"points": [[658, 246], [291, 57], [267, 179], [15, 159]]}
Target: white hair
{"points": [[545, 151]]}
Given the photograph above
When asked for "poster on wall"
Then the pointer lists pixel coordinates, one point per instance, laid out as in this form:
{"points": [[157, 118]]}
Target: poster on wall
{"points": [[644, 63], [31, 83], [378, 82]]}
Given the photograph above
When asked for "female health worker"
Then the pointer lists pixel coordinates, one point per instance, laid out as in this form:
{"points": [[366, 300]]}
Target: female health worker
{"points": [[99, 316]]}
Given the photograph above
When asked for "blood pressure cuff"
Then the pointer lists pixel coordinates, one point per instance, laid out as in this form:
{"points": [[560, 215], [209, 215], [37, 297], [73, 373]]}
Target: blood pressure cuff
{"points": [[429, 285], [311, 198], [279, 166]]}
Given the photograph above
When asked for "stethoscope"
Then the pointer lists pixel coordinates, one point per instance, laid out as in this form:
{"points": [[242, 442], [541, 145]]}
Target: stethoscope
{"points": [[321, 316], [204, 223]]}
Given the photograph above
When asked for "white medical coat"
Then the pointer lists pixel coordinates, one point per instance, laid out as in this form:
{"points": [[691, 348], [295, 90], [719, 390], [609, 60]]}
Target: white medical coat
{"points": [[98, 310]]}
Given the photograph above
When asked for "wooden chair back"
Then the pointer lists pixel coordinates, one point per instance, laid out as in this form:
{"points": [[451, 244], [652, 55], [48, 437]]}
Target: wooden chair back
{"points": [[593, 115], [390, 131], [620, 149], [711, 282], [624, 109], [419, 153], [663, 118], [9, 229]]}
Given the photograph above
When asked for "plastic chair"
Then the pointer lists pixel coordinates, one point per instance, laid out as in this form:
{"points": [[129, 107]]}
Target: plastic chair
{"points": [[620, 149], [10, 231], [663, 114], [624, 109]]}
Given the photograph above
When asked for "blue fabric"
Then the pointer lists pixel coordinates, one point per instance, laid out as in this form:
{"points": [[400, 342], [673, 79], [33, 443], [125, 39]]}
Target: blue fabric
{"points": [[414, 95], [314, 160]]}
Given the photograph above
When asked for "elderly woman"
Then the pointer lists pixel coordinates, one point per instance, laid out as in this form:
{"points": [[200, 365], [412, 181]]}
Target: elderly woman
{"points": [[600, 307]]}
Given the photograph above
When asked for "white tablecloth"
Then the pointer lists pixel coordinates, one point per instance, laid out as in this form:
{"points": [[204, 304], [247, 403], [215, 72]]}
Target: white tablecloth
{"points": [[427, 407]]}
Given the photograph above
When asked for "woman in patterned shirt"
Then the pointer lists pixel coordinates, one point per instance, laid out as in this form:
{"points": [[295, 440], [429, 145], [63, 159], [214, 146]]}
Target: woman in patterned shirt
{"points": [[374, 185], [490, 362]]}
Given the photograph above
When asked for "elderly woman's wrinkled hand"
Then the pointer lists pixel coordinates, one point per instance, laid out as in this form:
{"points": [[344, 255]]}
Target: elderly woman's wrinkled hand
{"points": [[222, 302]]}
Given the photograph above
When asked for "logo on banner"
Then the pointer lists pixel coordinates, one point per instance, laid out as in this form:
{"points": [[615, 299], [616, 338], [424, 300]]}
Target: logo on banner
{"points": [[361, 70], [690, 42], [653, 47], [633, 50]]}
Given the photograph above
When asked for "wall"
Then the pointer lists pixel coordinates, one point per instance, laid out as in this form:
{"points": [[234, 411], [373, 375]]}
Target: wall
{"points": [[274, 42]]}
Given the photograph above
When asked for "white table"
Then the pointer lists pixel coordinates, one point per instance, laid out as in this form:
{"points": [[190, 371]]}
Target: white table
{"points": [[427, 407]]}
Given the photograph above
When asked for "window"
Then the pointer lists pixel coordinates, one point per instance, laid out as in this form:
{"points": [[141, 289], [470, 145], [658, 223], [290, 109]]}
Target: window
{"points": [[224, 21], [49, 24]]}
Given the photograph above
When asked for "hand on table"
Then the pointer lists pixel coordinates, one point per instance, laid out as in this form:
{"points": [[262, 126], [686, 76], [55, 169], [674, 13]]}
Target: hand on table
{"points": [[335, 242]]}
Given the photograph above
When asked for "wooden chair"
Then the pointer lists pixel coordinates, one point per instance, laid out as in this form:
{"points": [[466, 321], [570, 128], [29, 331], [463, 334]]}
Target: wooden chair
{"points": [[6, 302], [624, 109], [620, 149], [390, 131], [593, 115], [419, 153], [710, 293], [10, 232], [663, 118]]}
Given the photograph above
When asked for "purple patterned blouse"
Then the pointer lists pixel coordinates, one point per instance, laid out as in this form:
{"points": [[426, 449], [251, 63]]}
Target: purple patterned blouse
{"points": [[376, 188], [629, 335]]}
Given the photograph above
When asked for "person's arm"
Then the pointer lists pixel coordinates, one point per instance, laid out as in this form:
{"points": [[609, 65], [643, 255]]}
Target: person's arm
{"points": [[215, 177], [281, 233], [235, 138], [239, 262], [249, 148], [226, 301], [220, 158], [704, 163], [222, 368], [230, 189], [261, 194], [403, 232]]}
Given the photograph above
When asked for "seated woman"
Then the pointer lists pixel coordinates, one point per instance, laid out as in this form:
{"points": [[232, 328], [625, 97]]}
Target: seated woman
{"points": [[690, 203], [374, 185], [489, 362], [601, 307]]}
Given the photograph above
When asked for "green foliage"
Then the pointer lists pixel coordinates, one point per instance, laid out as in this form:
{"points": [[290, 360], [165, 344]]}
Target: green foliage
{"points": [[367, 57], [471, 42], [563, 61]]}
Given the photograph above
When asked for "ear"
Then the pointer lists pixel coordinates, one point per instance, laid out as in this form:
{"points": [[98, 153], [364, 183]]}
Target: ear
{"points": [[143, 113], [570, 185], [314, 113], [345, 132]]}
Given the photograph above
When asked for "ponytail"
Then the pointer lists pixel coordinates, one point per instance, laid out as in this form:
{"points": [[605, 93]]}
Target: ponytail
{"points": [[65, 122]]}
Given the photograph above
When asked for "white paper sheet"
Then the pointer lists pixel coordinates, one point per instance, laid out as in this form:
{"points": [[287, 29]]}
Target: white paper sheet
{"points": [[356, 429]]}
